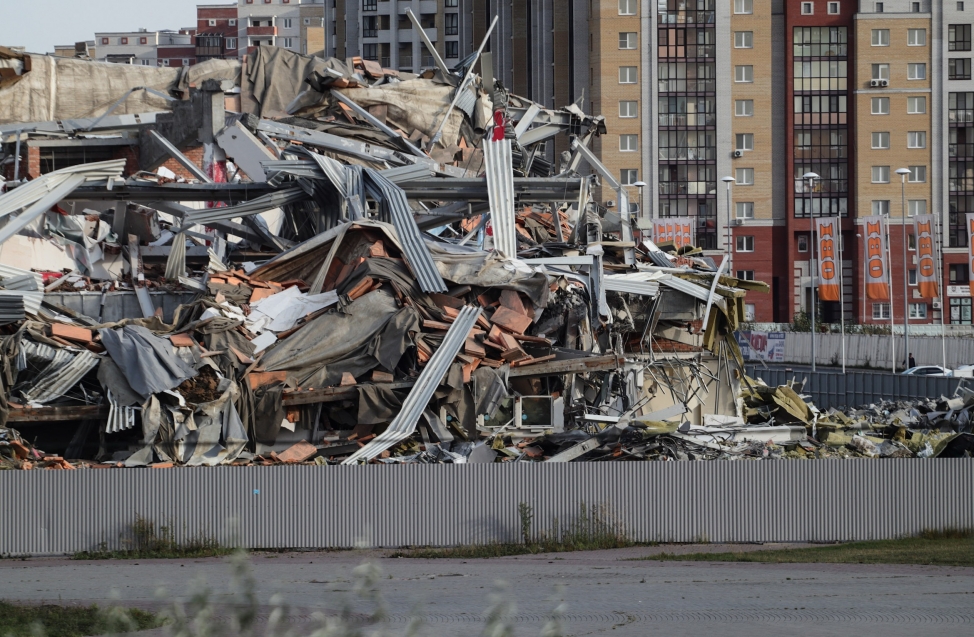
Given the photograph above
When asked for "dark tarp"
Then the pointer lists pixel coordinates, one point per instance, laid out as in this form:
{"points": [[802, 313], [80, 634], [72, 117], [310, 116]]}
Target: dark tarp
{"points": [[148, 361]]}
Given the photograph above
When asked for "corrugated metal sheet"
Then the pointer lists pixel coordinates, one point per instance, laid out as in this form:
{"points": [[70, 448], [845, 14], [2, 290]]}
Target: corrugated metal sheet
{"points": [[252, 207], [32, 300], [114, 306], [634, 283], [500, 190], [10, 272], [443, 505], [858, 388], [404, 424], [62, 374]]}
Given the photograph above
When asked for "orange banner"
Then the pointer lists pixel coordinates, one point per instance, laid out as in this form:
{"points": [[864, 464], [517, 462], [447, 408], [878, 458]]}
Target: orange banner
{"points": [[675, 230], [828, 264], [926, 264], [877, 267]]}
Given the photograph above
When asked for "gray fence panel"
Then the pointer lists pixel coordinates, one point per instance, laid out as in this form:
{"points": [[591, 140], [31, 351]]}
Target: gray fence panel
{"points": [[864, 350], [60, 512], [857, 388]]}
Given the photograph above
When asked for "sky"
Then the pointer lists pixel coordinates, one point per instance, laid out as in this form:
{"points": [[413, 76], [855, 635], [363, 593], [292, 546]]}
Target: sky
{"points": [[40, 24]]}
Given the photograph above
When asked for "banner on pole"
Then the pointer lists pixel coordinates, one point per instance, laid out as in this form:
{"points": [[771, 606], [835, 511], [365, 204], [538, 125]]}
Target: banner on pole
{"points": [[970, 250], [926, 264], [828, 265], [877, 268], [678, 230]]}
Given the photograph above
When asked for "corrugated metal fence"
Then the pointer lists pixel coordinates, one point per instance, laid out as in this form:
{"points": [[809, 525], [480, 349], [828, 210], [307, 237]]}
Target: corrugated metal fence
{"points": [[865, 350], [858, 388], [54, 512]]}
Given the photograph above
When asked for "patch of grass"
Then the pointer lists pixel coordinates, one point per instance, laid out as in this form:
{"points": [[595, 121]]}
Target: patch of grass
{"points": [[71, 621], [949, 547], [146, 541], [594, 528]]}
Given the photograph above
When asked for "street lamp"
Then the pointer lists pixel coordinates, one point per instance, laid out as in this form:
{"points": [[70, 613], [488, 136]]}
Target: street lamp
{"points": [[811, 177], [903, 172], [727, 230], [640, 185]]}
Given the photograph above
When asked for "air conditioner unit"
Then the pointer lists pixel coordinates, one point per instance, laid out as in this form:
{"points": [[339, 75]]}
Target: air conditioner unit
{"points": [[884, 83], [937, 305], [874, 83], [738, 222], [738, 154], [611, 203]]}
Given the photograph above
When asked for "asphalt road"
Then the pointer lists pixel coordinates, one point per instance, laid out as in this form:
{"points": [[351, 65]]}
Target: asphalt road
{"points": [[604, 593]]}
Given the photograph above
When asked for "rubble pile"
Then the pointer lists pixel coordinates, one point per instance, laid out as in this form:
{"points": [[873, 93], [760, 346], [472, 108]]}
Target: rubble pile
{"points": [[324, 261]]}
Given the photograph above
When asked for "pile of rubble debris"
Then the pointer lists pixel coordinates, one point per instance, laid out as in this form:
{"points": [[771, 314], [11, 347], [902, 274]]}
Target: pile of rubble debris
{"points": [[321, 261]]}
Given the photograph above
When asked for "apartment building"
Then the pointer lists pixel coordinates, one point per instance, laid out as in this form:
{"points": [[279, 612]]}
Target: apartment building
{"points": [[268, 23], [146, 48], [216, 32]]}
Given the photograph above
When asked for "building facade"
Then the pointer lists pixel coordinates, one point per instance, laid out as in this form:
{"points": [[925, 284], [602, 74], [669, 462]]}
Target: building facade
{"points": [[146, 48], [217, 32]]}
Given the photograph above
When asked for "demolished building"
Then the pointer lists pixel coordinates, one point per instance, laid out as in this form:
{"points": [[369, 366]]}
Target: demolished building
{"points": [[317, 260]]}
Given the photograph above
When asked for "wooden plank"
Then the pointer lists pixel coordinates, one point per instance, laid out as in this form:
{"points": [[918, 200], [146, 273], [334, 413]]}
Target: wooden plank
{"points": [[510, 320], [571, 366], [58, 414]]}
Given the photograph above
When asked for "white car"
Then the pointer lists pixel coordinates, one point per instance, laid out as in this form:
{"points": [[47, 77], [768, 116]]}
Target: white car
{"points": [[964, 371], [928, 370]]}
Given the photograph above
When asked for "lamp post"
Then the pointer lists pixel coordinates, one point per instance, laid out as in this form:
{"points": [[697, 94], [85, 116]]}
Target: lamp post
{"points": [[903, 172], [727, 229], [811, 177], [642, 215]]}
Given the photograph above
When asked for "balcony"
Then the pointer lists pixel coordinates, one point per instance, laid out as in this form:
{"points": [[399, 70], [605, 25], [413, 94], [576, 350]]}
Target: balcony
{"points": [[687, 17], [262, 31], [960, 150], [688, 119], [405, 63], [687, 86], [960, 116]]}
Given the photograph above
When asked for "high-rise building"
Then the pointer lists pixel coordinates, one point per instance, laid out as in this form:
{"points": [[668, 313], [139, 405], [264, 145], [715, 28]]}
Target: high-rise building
{"points": [[767, 91]]}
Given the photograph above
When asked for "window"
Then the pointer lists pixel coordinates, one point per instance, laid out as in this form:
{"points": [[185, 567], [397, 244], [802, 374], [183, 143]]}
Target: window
{"points": [[627, 40], [627, 75], [960, 6], [959, 68], [628, 176], [745, 275], [287, 23], [750, 312], [745, 244], [879, 7], [880, 37], [916, 71], [744, 108], [743, 6], [834, 8], [146, 62], [452, 23], [916, 139], [912, 280], [370, 26], [880, 71], [959, 37], [880, 311], [289, 42], [743, 39], [808, 8], [916, 105], [744, 73], [104, 40], [231, 43], [123, 40], [880, 105], [370, 5], [916, 37], [165, 62], [880, 207], [880, 174], [880, 140], [745, 141], [916, 207], [628, 109], [232, 22], [918, 310], [628, 143], [626, 7], [143, 40], [745, 209], [915, 7], [450, 3], [911, 242], [452, 49], [212, 23], [918, 174], [960, 311], [803, 243], [185, 61], [744, 176]]}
